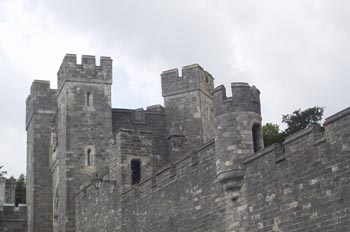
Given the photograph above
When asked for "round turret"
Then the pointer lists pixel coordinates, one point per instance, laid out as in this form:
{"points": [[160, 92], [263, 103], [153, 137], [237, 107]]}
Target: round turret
{"points": [[237, 128]]}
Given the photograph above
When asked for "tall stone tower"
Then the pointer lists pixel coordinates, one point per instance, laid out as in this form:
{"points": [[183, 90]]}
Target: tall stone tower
{"points": [[237, 126], [84, 120], [41, 105], [188, 107]]}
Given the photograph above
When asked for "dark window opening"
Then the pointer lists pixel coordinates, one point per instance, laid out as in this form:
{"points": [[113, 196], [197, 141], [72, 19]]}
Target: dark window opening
{"points": [[88, 157], [88, 99], [256, 137], [206, 79], [135, 171]]}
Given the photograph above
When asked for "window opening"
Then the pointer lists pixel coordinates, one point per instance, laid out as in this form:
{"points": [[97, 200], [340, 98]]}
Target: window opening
{"points": [[256, 136], [88, 98], [88, 157], [135, 171]]}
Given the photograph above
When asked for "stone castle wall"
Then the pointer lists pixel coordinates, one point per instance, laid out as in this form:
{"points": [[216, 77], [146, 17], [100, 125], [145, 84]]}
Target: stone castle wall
{"points": [[304, 185], [13, 219], [184, 197]]}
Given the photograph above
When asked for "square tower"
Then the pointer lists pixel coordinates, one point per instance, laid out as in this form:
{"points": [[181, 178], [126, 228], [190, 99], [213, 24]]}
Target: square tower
{"points": [[188, 106]]}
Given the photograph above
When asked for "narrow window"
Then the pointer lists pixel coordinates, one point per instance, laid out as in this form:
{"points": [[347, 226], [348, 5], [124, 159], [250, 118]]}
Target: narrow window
{"points": [[135, 171], [88, 99], [88, 157], [208, 113], [206, 79], [256, 137]]}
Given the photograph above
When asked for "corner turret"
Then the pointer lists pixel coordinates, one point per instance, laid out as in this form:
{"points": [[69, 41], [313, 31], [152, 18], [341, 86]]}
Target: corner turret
{"points": [[237, 128]]}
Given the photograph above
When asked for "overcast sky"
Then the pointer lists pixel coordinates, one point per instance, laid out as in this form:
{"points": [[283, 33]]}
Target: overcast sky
{"points": [[296, 52]]}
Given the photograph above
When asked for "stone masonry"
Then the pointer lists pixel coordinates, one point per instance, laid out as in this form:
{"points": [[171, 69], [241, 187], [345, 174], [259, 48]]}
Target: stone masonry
{"points": [[12, 219], [197, 164]]}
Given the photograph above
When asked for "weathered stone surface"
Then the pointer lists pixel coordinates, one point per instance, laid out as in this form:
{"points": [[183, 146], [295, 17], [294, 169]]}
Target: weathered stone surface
{"points": [[40, 111], [13, 219]]}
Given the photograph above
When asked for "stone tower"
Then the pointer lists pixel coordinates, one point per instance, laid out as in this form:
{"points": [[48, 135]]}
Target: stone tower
{"points": [[188, 107], [84, 120], [237, 123], [41, 105]]}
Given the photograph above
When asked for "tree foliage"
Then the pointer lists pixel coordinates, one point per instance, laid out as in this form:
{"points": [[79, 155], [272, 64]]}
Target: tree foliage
{"points": [[20, 190], [2, 172], [296, 121], [299, 120], [272, 134]]}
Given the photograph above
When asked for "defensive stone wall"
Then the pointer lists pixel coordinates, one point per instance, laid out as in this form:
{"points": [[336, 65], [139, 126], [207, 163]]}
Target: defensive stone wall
{"points": [[300, 185], [13, 219], [303, 185], [183, 197]]}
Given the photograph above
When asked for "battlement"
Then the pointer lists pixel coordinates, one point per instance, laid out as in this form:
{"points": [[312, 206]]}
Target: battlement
{"points": [[194, 77], [312, 136], [87, 71], [244, 98]]}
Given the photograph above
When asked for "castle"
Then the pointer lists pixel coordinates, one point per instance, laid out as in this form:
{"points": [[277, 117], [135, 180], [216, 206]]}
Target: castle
{"points": [[197, 164]]}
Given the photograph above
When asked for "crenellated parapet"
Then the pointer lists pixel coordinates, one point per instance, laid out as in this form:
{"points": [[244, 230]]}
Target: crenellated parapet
{"points": [[244, 98], [87, 71], [237, 128], [193, 77]]}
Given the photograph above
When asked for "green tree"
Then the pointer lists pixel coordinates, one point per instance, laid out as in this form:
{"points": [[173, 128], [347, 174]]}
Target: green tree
{"points": [[20, 190], [296, 121], [272, 134], [299, 120]]}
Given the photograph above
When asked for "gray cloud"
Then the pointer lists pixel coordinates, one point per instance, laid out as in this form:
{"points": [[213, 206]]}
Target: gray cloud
{"points": [[296, 52]]}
